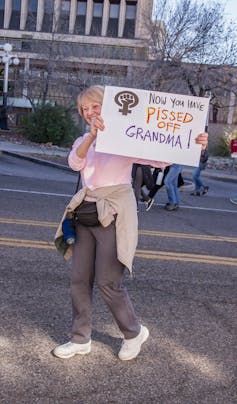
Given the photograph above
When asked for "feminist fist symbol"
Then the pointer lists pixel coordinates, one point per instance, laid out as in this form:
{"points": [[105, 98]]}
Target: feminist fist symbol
{"points": [[127, 100]]}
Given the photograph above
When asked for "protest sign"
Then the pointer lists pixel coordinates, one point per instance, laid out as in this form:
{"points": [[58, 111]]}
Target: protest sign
{"points": [[152, 125]]}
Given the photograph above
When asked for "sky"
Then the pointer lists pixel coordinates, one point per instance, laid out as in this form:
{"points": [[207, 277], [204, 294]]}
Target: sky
{"points": [[231, 7]]}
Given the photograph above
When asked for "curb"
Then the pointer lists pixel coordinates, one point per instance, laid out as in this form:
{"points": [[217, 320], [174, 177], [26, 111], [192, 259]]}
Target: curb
{"points": [[37, 160], [219, 176]]}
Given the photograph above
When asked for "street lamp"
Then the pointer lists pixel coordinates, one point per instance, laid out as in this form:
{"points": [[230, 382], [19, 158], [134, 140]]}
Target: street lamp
{"points": [[7, 59]]}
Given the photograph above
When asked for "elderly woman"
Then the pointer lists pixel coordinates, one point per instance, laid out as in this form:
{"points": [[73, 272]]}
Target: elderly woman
{"points": [[106, 237]]}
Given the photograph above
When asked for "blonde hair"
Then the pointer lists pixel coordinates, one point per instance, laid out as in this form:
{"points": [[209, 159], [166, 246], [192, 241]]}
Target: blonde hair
{"points": [[93, 93]]}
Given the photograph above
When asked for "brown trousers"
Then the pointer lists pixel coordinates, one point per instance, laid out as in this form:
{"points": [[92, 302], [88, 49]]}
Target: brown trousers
{"points": [[95, 259]]}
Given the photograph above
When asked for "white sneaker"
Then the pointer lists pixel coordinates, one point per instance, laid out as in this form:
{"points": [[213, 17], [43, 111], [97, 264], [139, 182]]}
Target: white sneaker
{"points": [[131, 347], [71, 349]]}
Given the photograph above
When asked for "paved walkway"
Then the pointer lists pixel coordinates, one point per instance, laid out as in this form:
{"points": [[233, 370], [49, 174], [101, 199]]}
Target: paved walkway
{"points": [[27, 149]]}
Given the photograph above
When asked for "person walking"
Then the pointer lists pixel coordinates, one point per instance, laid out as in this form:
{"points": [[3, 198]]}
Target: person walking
{"points": [[200, 187], [171, 185], [159, 175], [106, 238], [142, 176]]}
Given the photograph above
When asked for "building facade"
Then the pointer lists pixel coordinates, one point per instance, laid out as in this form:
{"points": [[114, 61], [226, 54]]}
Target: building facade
{"points": [[105, 18], [62, 41]]}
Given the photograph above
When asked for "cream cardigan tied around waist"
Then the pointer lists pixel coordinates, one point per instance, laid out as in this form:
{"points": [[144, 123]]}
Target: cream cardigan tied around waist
{"points": [[109, 199]]}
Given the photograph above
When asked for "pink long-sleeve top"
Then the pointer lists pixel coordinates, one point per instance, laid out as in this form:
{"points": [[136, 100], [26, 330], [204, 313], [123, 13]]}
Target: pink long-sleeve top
{"points": [[103, 169]]}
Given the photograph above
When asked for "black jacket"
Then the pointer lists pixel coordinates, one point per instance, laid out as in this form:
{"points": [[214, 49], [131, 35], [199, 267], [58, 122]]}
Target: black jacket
{"points": [[203, 159]]}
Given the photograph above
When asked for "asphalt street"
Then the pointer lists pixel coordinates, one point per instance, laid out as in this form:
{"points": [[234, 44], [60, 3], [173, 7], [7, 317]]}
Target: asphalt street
{"points": [[183, 288]]}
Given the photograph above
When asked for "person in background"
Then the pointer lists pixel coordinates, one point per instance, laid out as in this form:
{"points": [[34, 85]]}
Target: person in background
{"points": [[159, 175], [142, 176], [171, 185], [106, 245], [200, 188]]}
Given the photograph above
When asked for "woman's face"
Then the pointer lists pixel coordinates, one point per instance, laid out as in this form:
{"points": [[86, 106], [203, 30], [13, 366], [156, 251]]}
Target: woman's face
{"points": [[90, 109]]}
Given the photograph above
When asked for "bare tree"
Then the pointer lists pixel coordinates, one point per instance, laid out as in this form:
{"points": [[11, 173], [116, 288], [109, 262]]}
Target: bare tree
{"points": [[192, 49]]}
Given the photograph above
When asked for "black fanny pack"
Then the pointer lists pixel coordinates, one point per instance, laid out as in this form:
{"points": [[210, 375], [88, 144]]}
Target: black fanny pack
{"points": [[86, 214]]}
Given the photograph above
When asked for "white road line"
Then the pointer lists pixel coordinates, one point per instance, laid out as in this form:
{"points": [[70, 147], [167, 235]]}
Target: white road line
{"points": [[34, 192], [155, 204], [211, 209], [199, 208]]}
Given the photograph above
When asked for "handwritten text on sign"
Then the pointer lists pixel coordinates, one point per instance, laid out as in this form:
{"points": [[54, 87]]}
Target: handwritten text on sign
{"points": [[152, 125]]}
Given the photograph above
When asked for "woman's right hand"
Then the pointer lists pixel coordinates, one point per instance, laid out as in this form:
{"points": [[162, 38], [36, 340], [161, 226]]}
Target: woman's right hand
{"points": [[97, 122]]}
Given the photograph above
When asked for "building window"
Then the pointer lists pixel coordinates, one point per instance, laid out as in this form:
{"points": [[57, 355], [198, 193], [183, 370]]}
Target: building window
{"points": [[130, 19], [81, 8], [16, 5], [81, 18], [64, 17], [32, 16], [33, 5], [48, 16], [2, 5], [113, 18], [65, 6], [49, 6], [15, 17], [97, 18]]}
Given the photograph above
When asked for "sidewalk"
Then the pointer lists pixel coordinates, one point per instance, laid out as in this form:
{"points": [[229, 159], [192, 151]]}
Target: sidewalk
{"points": [[28, 152], [31, 149]]}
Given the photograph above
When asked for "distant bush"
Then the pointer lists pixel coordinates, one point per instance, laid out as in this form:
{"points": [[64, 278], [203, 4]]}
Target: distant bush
{"points": [[50, 124], [222, 147]]}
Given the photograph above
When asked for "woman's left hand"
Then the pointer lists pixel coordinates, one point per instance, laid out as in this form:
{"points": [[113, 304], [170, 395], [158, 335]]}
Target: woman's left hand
{"points": [[202, 139]]}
